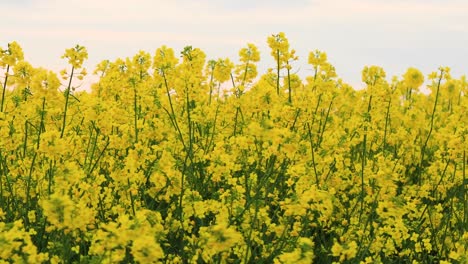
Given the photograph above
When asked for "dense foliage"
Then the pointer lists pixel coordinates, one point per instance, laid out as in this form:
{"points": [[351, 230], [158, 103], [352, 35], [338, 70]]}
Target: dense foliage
{"points": [[184, 160]]}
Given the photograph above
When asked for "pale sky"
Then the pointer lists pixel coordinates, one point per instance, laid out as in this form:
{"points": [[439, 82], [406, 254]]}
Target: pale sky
{"points": [[393, 34]]}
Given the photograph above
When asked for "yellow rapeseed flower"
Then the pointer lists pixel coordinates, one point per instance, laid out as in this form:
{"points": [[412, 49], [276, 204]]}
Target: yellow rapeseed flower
{"points": [[76, 56]]}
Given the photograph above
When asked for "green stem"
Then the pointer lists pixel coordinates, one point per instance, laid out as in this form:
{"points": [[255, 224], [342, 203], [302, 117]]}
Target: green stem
{"points": [[364, 158], [28, 184], [50, 176], [172, 115], [319, 100], [182, 190], [464, 183], [99, 157], [4, 87], [238, 92], [132, 199], [235, 121], [277, 71], [213, 133], [91, 129], [25, 138], [387, 118], [313, 155], [135, 109], [3, 172], [289, 86], [298, 112], [211, 87], [423, 149], [41, 125], [245, 73], [67, 96], [189, 122], [322, 130]]}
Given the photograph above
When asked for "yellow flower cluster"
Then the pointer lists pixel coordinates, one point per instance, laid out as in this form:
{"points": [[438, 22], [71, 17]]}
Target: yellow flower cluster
{"points": [[16, 245], [172, 159]]}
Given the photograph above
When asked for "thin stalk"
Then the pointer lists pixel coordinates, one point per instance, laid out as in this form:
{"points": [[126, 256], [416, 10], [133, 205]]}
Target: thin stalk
{"points": [[322, 131], [319, 100], [172, 115], [210, 143], [364, 158], [277, 71], [211, 87], [313, 155], [1, 185], [88, 148], [298, 111], [135, 110], [289, 86], [465, 198], [67, 96], [3, 172], [387, 118], [253, 220], [362, 250], [189, 154], [245, 73], [235, 121], [100, 156], [41, 125], [25, 138], [132, 199], [189, 122], [182, 190], [423, 149], [4, 87], [50, 174], [28, 184], [238, 92]]}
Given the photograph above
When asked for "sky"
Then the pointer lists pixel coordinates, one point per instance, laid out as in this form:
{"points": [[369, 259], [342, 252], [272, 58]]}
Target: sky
{"points": [[393, 34]]}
